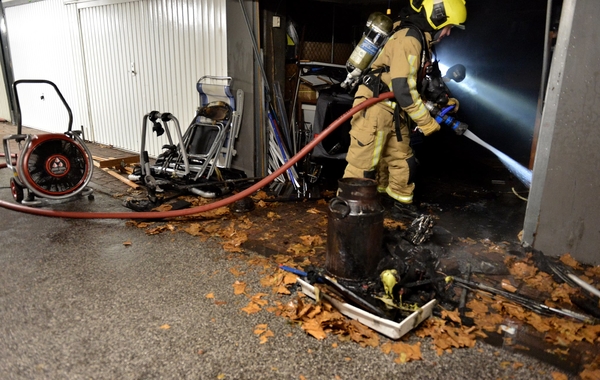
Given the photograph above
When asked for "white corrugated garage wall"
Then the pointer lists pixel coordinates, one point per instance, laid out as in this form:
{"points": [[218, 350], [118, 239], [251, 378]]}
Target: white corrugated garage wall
{"points": [[43, 44], [126, 59]]}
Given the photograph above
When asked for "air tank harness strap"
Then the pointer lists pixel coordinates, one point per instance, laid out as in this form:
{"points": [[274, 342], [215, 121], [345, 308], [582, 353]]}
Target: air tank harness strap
{"points": [[372, 80]]}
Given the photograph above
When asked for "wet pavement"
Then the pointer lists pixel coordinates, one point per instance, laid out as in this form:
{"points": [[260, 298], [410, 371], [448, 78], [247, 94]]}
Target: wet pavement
{"points": [[105, 299]]}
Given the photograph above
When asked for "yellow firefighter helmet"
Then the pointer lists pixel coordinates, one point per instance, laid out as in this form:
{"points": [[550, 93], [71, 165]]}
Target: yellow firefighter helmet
{"points": [[440, 13]]}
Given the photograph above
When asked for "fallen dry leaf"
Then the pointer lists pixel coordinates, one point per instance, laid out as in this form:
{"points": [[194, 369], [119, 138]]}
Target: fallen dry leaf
{"points": [[194, 229], [210, 295], [386, 348], [265, 337], [313, 327], [407, 352], [590, 374], [165, 327], [567, 259], [290, 279], [239, 287], [283, 290], [517, 365], [392, 224], [452, 315], [257, 298], [273, 215], [523, 270], [236, 272], [252, 308], [559, 376], [506, 285], [260, 195], [312, 240], [259, 329], [300, 249]]}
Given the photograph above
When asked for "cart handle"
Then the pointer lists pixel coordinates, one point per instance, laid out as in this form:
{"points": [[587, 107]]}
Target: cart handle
{"points": [[62, 98]]}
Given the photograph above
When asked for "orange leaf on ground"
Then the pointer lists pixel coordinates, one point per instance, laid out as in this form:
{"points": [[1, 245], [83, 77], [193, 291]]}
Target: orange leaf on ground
{"points": [[567, 259], [386, 348], [210, 295], [271, 280], [313, 327], [194, 229], [362, 334], [562, 293], [236, 272], [239, 287], [407, 352], [299, 249], [517, 365], [523, 270], [452, 315], [265, 337], [590, 374], [251, 308], [165, 327], [283, 290], [259, 329], [506, 285], [312, 240], [290, 279], [559, 376], [257, 299]]}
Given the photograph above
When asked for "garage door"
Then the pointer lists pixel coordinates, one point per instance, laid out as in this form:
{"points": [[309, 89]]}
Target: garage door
{"points": [[142, 56]]}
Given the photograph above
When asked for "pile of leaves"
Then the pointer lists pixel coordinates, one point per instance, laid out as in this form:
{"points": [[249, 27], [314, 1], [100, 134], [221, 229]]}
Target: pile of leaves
{"points": [[304, 246]]}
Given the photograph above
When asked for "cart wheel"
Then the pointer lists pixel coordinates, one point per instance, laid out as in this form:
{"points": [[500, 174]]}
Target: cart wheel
{"points": [[16, 190]]}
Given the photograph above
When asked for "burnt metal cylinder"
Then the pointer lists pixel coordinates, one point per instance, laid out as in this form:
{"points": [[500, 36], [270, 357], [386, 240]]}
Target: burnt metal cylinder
{"points": [[354, 230]]}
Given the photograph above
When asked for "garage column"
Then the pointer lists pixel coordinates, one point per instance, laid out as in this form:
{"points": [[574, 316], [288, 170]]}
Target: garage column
{"points": [[563, 212]]}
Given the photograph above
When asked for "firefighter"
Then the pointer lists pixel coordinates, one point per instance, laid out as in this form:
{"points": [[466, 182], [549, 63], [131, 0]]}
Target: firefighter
{"points": [[380, 135]]}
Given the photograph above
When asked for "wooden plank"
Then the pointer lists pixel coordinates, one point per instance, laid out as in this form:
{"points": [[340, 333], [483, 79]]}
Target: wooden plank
{"points": [[118, 162], [126, 181]]}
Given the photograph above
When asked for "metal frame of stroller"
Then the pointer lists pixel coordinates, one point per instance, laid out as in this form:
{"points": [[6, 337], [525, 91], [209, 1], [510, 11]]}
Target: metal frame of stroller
{"points": [[207, 144]]}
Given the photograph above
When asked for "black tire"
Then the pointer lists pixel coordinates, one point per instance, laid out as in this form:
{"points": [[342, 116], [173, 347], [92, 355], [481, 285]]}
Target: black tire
{"points": [[17, 191]]}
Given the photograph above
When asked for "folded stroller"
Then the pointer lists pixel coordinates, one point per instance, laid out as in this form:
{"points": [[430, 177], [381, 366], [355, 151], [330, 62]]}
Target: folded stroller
{"points": [[203, 154]]}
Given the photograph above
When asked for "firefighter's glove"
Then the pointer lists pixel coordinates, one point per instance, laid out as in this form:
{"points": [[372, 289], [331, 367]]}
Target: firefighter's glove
{"points": [[430, 127], [453, 102]]}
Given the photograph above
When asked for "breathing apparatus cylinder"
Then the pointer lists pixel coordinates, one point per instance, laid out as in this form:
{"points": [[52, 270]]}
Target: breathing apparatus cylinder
{"points": [[378, 29]]}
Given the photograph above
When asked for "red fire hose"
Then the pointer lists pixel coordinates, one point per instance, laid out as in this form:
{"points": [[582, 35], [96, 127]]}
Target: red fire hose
{"points": [[3, 164], [195, 210]]}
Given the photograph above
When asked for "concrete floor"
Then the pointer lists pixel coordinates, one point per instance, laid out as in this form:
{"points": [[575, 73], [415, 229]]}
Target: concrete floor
{"points": [[76, 302]]}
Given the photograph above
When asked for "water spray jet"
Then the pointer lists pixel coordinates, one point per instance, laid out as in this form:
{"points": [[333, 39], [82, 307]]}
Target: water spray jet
{"points": [[522, 173]]}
